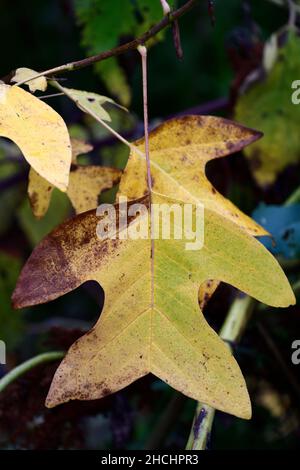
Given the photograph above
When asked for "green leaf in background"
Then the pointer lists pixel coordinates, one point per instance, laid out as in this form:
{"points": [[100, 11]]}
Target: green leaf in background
{"points": [[268, 106], [105, 23], [60, 208], [11, 322]]}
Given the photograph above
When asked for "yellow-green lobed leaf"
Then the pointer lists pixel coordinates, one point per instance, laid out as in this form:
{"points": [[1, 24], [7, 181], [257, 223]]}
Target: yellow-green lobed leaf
{"points": [[137, 333]]}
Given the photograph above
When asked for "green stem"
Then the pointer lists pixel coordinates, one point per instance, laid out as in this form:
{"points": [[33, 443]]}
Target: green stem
{"points": [[20, 370], [201, 427], [294, 197]]}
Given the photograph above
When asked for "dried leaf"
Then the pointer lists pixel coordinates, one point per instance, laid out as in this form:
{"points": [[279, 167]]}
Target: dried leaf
{"points": [[39, 131], [79, 147], [86, 183]]}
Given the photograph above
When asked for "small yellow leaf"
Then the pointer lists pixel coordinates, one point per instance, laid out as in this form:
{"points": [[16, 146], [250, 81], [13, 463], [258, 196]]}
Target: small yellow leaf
{"points": [[40, 133], [34, 84], [39, 193], [86, 183]]}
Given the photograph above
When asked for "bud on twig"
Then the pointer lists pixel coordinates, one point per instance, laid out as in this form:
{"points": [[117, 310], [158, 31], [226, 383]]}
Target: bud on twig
{"points": [[165, 6]]}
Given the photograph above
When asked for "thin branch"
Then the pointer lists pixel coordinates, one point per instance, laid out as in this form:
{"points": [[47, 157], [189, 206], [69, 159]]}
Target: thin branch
{"points": [[20, 370], [283, 3], [292, 13], [53, 95], [81, 106], [116, 51], [199, 437], [143, 52]]}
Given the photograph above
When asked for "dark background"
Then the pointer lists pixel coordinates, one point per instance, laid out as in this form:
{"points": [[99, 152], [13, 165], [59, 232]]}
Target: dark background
{"points": [[148, 414]]}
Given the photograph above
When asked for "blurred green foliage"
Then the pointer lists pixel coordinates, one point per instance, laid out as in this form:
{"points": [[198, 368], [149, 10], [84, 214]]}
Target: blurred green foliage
{"points": [[104, 24], [12, 323]]}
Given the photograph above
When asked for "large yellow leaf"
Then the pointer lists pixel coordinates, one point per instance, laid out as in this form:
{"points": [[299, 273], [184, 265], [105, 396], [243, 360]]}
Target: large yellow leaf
{"points": [[179, 150], [151, 320], [39, 131]]}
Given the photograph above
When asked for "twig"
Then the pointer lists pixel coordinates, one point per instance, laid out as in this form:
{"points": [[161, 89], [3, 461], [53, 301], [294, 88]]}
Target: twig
{"points": [[283, 3], [143, 52], [177, 40], [292, 13], [293, 198], [15, 373], [53, 95], [116, 51], [201, 429], [81, 106]]}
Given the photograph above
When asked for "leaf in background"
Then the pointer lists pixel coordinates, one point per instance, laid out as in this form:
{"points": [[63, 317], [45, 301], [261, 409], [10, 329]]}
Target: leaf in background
{"points": [[104, 27], [86, 183], [180, 149], [11, 324], [93, 102], [151, 324], [283, 223], [39, 132], [115, 79], [79, 147], [268, 106], [35, 84]]}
